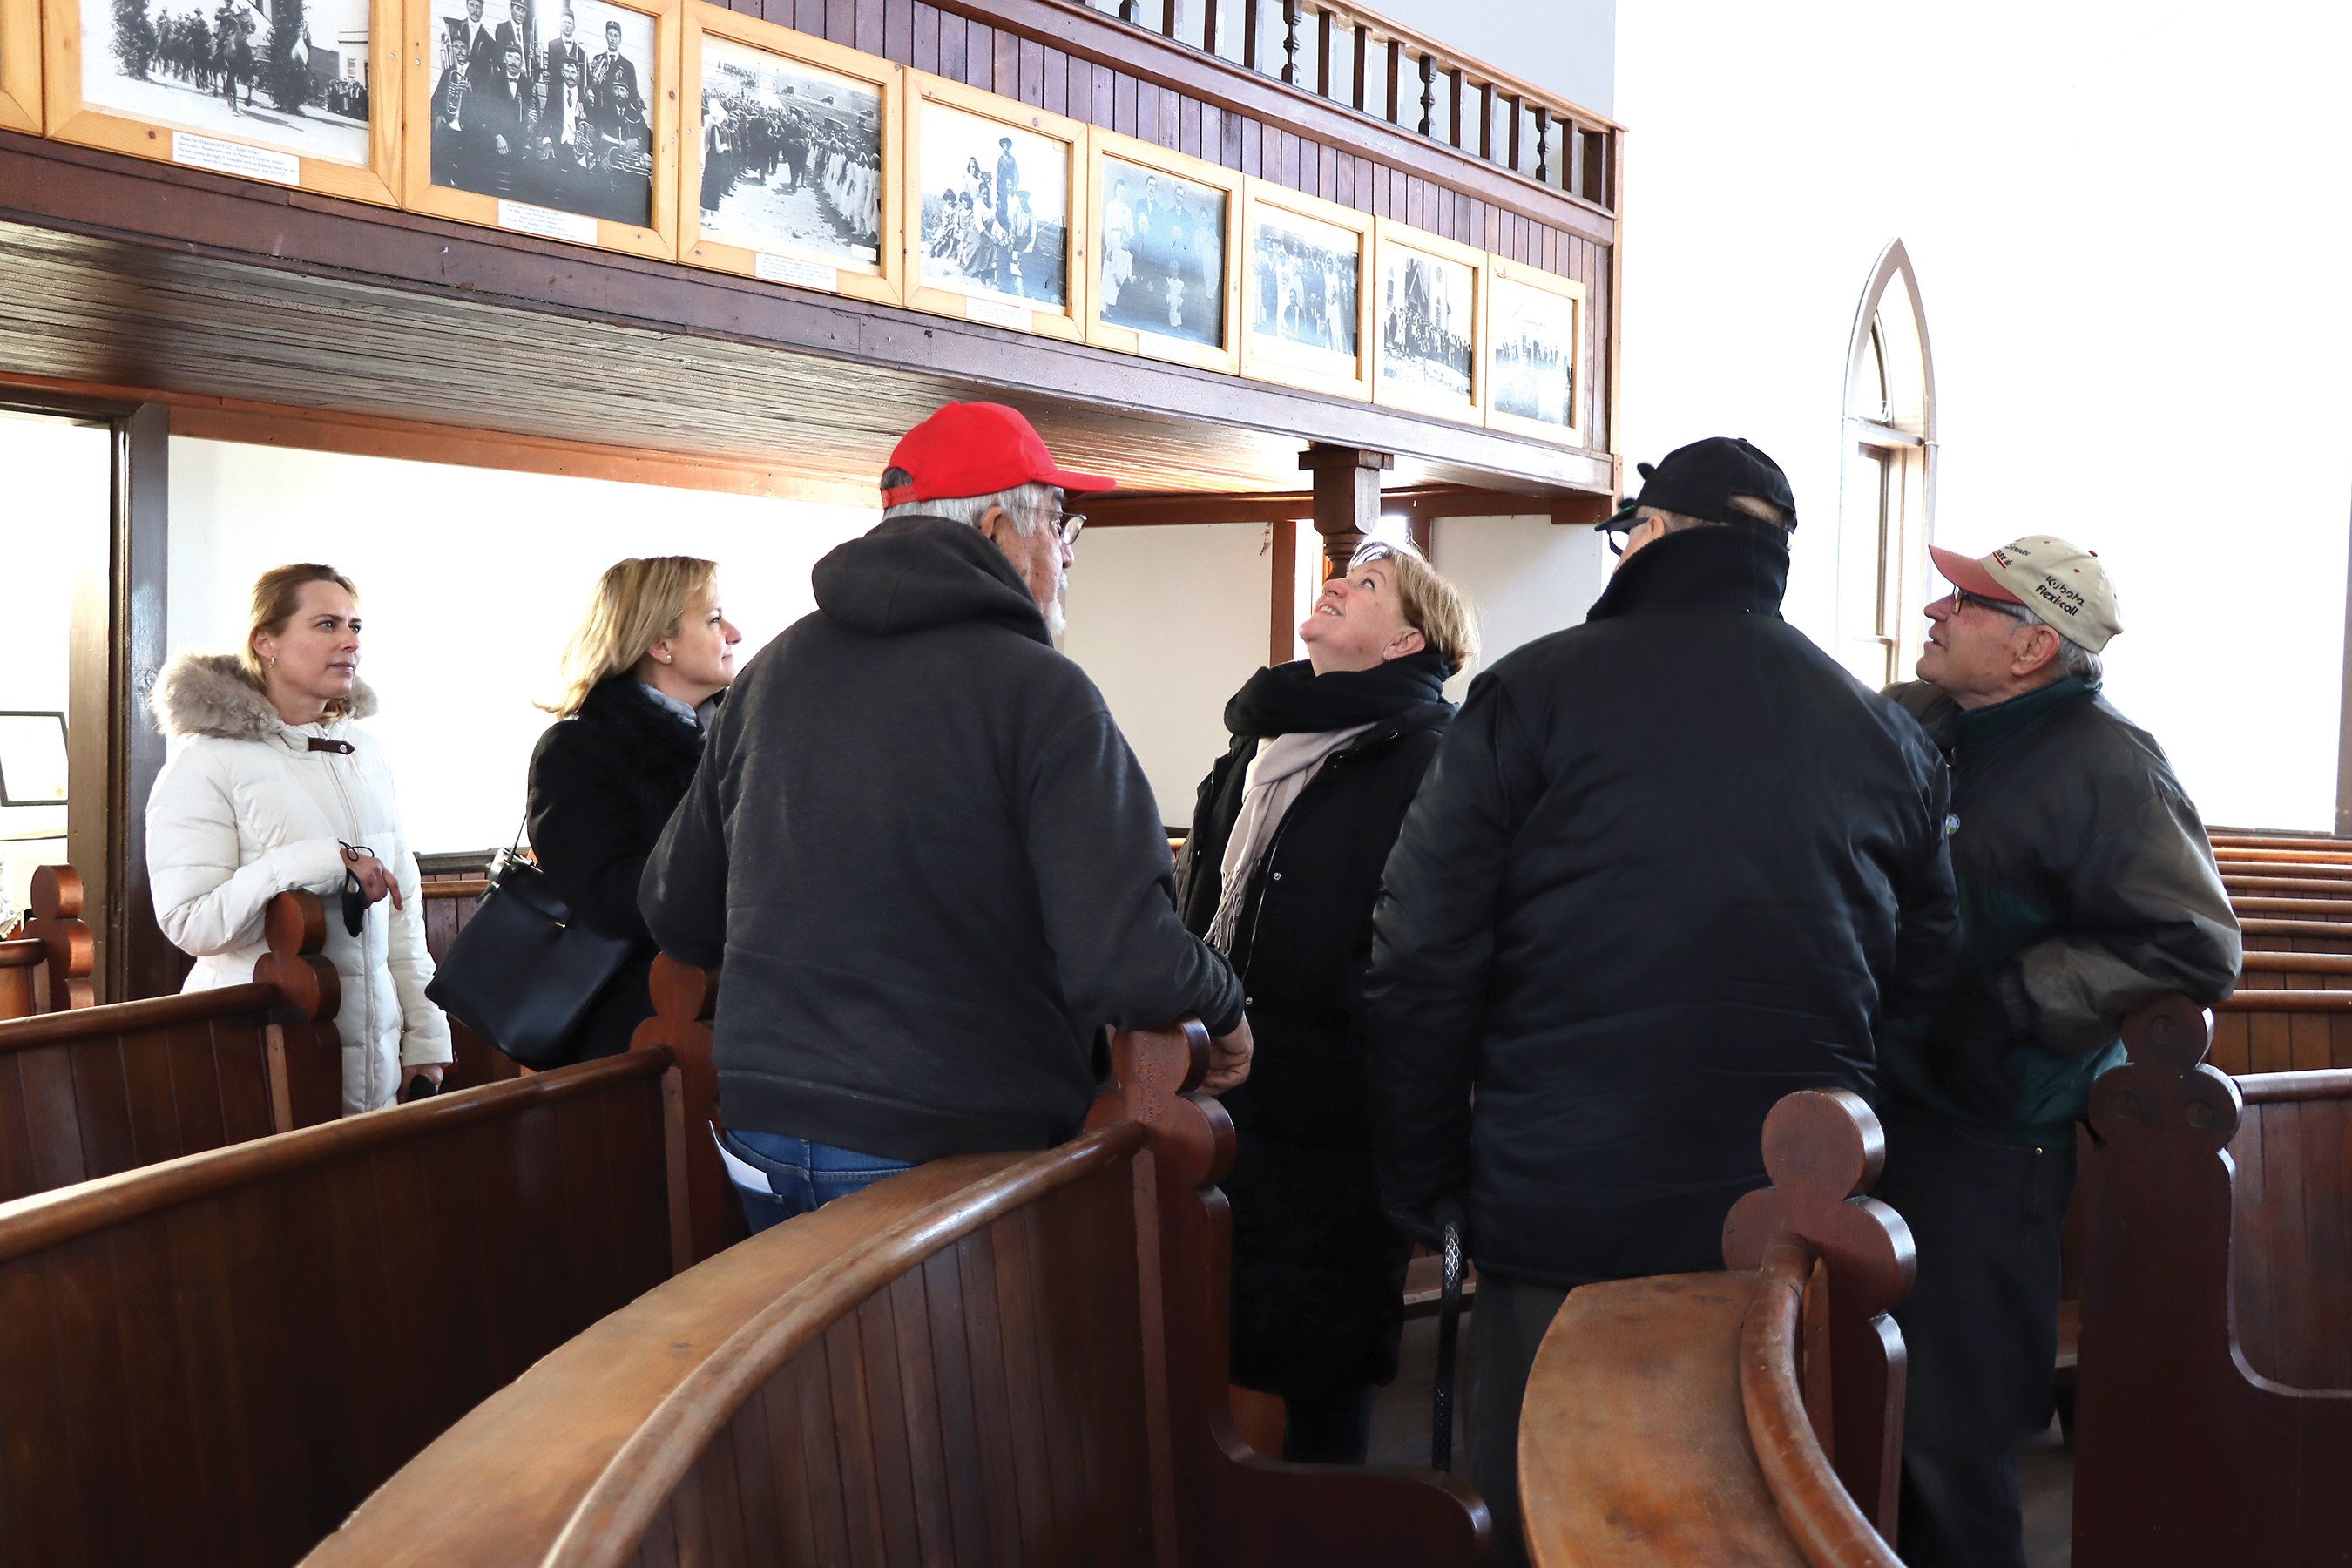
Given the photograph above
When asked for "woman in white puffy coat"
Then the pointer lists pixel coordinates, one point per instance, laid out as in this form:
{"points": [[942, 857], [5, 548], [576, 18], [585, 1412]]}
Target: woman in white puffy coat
{"points": [[270, 787]]}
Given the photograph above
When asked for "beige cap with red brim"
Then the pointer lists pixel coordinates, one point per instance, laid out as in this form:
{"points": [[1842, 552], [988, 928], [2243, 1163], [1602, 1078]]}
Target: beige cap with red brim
{"points": [[2063, 584]]}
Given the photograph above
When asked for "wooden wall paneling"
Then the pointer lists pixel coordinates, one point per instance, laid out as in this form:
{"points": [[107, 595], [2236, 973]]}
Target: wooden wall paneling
{"points": [[1055, 67], [1171, 105], [871, 31], [1124, 92], [1188, 127], [928, 23], [1253, 149], [979, 58], [955, 35], [1146, 112], [840, 23], [1005, 68], [899, 30]]}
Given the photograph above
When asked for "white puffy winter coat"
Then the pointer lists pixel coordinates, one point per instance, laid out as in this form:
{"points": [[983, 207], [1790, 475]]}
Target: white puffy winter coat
{"points": [[244, 811]]}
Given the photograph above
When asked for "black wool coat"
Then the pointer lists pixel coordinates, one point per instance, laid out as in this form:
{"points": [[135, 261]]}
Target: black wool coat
{"points": [[603, 786], [1318, 1273], [1669, 866]]}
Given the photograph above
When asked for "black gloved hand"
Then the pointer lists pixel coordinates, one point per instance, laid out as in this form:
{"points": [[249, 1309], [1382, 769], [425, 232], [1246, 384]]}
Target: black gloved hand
{"points": [[1968, 1040]]}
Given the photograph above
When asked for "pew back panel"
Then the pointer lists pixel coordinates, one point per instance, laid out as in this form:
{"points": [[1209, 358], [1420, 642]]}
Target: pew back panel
{"points": [[98, 1090], [2290, 1232], [213, 1360]]}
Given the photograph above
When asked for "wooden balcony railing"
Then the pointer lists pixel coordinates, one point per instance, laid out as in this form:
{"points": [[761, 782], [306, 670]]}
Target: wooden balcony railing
{"points": [[1363, 61]]}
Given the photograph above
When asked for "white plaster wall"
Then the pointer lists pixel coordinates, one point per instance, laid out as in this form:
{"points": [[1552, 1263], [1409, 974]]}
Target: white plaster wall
{"points": [[2106, 370], [1527, 576], [471, 580], [1169, 622]]}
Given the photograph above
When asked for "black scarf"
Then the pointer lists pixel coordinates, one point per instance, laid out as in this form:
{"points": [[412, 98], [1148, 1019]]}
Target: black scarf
{"points": [[1291, 698]]}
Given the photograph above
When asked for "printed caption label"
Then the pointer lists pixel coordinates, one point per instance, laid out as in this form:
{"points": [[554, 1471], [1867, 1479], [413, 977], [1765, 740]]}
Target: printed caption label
{"points": [[546, 223], [234, 158], [1162, 347], [791, 270], [997, 315]]}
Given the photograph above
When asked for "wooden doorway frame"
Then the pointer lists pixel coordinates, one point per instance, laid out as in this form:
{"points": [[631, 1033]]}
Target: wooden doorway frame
{"points": [[119, 646]]}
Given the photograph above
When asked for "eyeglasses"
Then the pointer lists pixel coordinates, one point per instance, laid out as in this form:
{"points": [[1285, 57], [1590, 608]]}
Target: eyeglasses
{"points": [[1065, 524], [1962, 599]]}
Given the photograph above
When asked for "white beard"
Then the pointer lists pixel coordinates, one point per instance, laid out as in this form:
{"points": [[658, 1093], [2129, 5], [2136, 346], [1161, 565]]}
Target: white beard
{"points": [[1057, 622]]}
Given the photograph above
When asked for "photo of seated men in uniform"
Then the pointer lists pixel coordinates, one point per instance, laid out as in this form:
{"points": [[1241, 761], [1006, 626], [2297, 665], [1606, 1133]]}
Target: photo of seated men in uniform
{"points": [[995, 203], [1301, 292], [1163, 257], [1534, 335], [564, 129], [1426, 327], [791, 156], [227, 68]]}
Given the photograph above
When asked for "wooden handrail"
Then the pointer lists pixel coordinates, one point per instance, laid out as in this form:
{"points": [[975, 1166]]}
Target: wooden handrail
{"points": [[47, 1218], [609, 1523], [2287, 1001], [2262, 961], [21, 953], [2288, 1088], [1818, 1512], [2307, 887], [153, 1012], [456, 887], [2268, 906], [2256, 925]]}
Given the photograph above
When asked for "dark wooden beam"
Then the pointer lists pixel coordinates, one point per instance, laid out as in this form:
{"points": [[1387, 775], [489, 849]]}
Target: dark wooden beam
{"points": [[1346, 497]]}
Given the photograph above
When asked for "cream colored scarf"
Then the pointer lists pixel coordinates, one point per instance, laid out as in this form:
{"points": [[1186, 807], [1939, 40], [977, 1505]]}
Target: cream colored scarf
{"points": [[1277, 775]]}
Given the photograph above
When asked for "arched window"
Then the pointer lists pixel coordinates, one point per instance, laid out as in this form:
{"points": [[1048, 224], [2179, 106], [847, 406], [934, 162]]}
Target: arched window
{"points": [[1888, 491]]}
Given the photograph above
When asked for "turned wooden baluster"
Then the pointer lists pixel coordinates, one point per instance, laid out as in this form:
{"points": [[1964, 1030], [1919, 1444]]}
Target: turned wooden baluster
{"points": [[1428, 96], [1290, 18], [1543, 145]]}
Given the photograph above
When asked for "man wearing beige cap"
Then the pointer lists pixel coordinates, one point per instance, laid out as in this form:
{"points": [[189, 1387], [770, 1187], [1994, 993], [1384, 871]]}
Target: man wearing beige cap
{"points": [[2086, 887]]}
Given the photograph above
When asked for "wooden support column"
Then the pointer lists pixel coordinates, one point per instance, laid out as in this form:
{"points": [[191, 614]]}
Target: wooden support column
{"points": [[1282, 622], [1346, 497]]}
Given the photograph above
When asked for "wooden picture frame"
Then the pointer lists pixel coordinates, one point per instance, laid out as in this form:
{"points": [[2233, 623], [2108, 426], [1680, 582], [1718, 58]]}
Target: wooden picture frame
{"points": [[20, 66], [522, 197], [1409, 380], [1274, 294], [1503, 279], [833, 265], [943, 112], [167, 108], [1151, 279]]}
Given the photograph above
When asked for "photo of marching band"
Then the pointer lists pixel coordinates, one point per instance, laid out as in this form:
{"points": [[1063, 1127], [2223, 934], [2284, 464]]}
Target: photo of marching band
{"points": [[545, 103], [1303, 299], [1533, 334], [1426, 324], [995, 203], [791, 156], [287, 74], [1163, 254]]}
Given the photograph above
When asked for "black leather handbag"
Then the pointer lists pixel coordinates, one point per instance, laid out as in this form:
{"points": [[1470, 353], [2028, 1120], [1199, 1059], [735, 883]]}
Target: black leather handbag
{"points": [[522, 973]]}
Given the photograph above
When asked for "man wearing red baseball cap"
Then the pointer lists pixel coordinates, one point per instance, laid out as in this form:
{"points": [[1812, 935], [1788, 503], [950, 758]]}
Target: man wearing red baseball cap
{"points": [[922, 849], [2087, 888]]}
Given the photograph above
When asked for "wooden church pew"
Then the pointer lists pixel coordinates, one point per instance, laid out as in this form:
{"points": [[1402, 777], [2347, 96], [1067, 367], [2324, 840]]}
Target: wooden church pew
{"points": [[996, 1358], [45, 968], [98, 1090], [1751, 1416], [453, 886], [211, 1361], [2213, 1418]]}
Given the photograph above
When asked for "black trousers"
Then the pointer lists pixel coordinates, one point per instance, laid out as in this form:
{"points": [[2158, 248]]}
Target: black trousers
{"points": [[1329, 1428], [1507, 1327], [1982, 1327]]}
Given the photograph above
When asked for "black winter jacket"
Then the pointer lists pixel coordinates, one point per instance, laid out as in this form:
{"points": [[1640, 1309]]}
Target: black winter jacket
{"points": [[1318, 1273], [602, 783], [1668, 867], [930, 862]]}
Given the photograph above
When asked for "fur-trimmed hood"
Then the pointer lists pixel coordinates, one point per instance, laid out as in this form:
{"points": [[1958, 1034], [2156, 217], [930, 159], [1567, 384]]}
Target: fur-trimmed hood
{"points": [[208, 694]]}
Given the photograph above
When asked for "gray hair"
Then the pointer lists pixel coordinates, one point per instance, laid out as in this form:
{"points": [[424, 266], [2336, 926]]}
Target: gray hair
{"points": [[2074, 658], [1023, 501]]}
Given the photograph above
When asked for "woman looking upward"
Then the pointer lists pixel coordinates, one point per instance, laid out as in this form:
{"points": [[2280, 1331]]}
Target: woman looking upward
{"points": [[642, 675]]}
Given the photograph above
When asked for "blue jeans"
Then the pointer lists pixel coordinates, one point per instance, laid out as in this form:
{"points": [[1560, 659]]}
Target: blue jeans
{"points": [[799, 1175]]}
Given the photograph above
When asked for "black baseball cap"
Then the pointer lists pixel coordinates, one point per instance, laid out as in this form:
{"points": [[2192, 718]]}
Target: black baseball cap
{"points": [[1699, 481]]}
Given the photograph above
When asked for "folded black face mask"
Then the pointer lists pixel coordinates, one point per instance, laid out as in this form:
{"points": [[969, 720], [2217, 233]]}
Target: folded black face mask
{"points": [[355, 899]]}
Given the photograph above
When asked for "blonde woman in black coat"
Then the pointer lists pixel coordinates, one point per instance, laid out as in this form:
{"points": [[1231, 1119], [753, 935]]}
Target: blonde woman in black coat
{"points": [[1279, 874], [642, 675]]}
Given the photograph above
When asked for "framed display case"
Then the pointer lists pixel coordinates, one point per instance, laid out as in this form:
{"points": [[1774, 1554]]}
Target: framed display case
{"points": [[305, 96], [20, 66], [1430, 318], [1165, 275], [995, 209], [551, 118], [788, 157], [1306, 310], [1535, 343]]}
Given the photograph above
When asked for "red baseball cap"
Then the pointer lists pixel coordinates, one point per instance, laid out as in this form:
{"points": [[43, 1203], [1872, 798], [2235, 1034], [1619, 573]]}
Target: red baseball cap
{"points": [[977, 449]]}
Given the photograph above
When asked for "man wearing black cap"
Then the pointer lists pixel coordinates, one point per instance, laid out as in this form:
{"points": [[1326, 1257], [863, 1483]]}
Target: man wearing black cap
{"points": [[923, 850], [1669, 866]]}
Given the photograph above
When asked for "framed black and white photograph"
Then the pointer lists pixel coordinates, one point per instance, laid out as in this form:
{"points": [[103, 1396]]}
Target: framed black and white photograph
{"points": [[301, 93], [1167, 253], [789, 158], [1307, 312], [993, 187], [20, 66], [1431, 314], [1534, 351], [551, 118]]}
